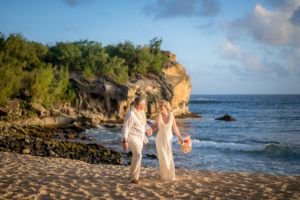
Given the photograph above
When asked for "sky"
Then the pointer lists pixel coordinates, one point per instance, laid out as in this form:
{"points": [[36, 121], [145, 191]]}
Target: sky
{"points": [[226, 47]]}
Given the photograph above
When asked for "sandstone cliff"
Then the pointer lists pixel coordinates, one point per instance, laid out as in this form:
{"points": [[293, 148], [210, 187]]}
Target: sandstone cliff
{"points": [[176, 76], [102, 100]]}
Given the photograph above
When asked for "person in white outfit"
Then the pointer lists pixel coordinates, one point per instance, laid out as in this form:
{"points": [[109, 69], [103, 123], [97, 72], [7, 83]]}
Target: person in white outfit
{"points": [[165, 121], [133, 135]]}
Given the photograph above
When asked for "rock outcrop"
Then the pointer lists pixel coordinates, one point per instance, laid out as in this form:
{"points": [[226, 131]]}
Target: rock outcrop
{"points": [[102, 100], [17, 140]]}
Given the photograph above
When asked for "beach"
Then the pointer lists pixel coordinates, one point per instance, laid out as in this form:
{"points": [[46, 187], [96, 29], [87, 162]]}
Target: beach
{"points": [[33, 177]]}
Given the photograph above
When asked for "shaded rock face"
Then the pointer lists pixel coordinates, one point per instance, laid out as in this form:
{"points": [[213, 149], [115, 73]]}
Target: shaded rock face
{"points": [[103, 100]]}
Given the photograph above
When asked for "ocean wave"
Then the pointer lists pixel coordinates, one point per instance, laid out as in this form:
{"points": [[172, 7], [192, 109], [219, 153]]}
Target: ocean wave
{"points": [[226, 146], [100, 127], [281, 151], [269, 150]]}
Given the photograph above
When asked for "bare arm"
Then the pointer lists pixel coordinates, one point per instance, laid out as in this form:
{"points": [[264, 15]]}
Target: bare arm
{"points": [[176, 129], [154, 127]]}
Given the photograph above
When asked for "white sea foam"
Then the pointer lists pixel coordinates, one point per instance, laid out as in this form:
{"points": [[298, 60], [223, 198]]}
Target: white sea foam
{"points": [[100, 127], [203, 99], [228, 146]]}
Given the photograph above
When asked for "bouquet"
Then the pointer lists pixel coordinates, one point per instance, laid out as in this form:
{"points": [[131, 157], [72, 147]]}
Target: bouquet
{"points": [[186, 145]]}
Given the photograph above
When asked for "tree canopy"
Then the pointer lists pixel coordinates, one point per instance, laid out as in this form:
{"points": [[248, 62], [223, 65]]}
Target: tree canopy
{"points": [[40, 73]]}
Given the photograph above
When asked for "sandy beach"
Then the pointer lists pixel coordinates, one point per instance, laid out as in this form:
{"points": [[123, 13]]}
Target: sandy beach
{"points": [[31, 177]]}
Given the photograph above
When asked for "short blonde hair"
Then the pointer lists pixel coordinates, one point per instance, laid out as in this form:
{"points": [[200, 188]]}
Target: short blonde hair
{"points": [[166, 104]]}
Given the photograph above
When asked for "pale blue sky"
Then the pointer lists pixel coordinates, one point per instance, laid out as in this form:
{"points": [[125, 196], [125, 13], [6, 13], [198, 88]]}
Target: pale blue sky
{"points": [[227, 47]]}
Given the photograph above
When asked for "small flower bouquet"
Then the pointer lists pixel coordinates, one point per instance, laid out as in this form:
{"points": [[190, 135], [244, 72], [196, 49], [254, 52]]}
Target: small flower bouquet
{"points": [[186, 145]]}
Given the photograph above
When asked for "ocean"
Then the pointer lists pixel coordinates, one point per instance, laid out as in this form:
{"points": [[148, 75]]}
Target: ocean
{"points": [[264, 139]]}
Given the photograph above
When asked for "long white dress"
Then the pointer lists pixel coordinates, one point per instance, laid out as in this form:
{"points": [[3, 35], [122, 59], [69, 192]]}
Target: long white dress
{"points": [[163, 143]]}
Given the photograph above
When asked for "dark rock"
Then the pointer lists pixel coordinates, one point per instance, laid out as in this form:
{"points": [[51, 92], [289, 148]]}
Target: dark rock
{"points": [[110, 126], [152, 156], [69, 136], [189, 115], [3, 111], [128, 155], [21, 142], [226, 118], [83, 137]]}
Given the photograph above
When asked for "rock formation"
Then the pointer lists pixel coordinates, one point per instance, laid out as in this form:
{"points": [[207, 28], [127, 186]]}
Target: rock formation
{"points": [[102, 100], [176, 76]]}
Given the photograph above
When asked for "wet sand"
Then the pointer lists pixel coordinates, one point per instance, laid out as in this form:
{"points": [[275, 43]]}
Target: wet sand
{"points": [[31, 177]]}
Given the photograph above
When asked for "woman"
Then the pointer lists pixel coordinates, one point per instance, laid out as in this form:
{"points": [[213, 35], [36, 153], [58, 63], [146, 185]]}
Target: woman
{"points": [[164, 122]]}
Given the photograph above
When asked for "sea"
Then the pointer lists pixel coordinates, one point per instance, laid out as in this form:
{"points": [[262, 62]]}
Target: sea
{"points": [[265, 138]]}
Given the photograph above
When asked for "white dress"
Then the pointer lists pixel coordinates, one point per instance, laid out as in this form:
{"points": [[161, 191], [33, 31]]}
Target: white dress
{"points": [[163, 143]]}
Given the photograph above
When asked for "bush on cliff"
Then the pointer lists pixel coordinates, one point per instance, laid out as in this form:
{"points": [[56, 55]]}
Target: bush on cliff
{"points": [[39, 74], [140, 59]]}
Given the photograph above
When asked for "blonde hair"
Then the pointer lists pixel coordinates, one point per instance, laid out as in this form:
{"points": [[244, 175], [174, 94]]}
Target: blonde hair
{"points": [[166, 104]]}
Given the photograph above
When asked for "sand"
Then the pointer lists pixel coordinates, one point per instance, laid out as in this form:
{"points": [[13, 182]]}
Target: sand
{"points": [[31, 177]]}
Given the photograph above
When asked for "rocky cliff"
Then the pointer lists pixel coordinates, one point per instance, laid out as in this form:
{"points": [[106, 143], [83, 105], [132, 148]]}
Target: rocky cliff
{"points": [[101, 99], [175, 75]]}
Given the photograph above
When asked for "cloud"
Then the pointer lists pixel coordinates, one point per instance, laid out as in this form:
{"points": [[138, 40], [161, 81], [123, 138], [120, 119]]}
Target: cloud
{"points": [[275, 34], [76, 2], [248, 63], [209, 27], [267, 27], [292, 55], [182, 8], [286, 7], [230, 51], [295, 19]]}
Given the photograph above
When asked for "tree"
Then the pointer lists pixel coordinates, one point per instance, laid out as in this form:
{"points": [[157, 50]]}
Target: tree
{"points": [[65, 54], [155, 46]]}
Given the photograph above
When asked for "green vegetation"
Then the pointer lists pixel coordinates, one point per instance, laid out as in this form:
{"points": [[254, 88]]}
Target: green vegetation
{"points": [[25, 75], [38, 73]]}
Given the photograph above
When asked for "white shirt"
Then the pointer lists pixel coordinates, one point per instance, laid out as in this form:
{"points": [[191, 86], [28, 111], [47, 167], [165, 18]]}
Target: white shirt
{"points": [[132, 126]]}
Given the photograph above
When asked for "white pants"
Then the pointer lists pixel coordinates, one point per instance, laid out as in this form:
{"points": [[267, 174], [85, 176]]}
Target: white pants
{"points": [[136, 146]]}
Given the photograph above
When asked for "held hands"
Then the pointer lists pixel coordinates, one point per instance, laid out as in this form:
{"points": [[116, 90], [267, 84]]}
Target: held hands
{"points": [[149, 132], [125, 146]]}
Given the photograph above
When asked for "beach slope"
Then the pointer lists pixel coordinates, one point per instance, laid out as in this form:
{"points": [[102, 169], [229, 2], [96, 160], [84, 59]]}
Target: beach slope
{"points": [[31, 177]]}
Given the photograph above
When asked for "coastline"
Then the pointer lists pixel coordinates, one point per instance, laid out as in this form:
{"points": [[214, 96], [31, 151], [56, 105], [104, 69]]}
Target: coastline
{"points": [[30, 177]]}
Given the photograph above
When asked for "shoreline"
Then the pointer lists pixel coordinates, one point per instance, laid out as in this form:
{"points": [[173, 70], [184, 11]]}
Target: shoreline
{"points": [[29, 177]]}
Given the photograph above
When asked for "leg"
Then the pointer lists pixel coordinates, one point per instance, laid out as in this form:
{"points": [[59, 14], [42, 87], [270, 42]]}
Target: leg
{"points": [[136, 148]]}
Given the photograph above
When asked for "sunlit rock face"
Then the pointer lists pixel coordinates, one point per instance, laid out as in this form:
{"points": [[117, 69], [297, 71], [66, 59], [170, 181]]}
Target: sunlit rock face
{"points": [[176, 76]]}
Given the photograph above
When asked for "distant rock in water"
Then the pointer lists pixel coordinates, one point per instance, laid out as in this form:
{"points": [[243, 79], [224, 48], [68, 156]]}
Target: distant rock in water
{"points": [[189, 115], [226, 118]]}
